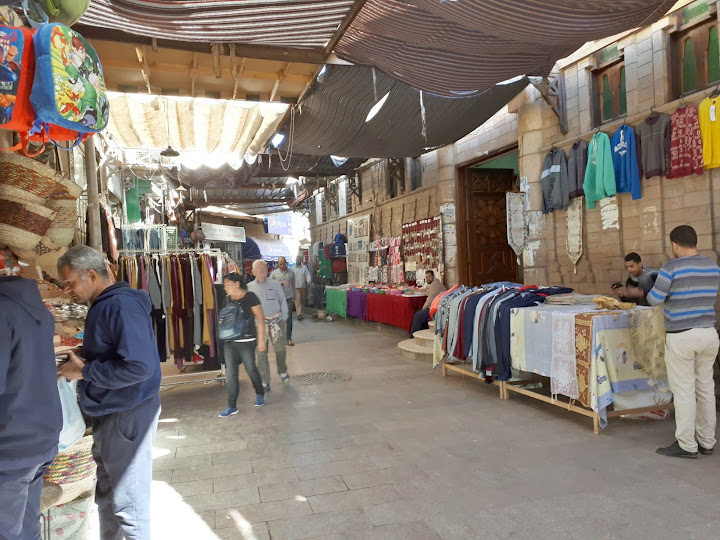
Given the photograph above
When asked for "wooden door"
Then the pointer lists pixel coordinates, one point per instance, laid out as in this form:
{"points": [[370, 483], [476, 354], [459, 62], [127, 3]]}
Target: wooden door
{"points": [[489, 257]]}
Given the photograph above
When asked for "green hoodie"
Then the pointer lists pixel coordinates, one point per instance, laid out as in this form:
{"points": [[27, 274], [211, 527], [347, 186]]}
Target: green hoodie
{"points": [[599, 175]]}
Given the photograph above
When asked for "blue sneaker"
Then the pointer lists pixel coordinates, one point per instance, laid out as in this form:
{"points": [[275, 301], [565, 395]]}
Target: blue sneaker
{"points": [[285, 378], [260, 401], [228, 412]]}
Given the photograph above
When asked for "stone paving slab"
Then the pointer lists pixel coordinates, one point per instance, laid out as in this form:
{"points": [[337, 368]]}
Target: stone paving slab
{"points": [[400, 452]]}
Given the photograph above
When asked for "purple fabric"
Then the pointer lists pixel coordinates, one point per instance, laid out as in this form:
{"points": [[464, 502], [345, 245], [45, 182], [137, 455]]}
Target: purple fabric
{"points": [[357, 304]]}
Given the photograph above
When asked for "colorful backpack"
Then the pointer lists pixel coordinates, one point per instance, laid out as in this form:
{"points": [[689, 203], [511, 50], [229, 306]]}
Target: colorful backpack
{"points": [[69, 88], [17, 71]]}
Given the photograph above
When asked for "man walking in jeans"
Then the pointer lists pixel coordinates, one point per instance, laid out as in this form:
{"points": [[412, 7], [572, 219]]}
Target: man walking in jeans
{"points": [[302, 280], [687, 289], [119, 375], [275, 308], [286, 277]]}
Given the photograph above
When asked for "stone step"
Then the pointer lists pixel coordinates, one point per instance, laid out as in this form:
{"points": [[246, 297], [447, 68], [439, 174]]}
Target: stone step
{"points": [[431, 324], [414, 351], [426, 338]]}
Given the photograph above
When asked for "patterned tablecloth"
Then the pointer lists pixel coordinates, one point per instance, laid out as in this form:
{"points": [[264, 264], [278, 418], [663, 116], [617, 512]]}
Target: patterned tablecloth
{"points": [[336, 301], [588, 355]]}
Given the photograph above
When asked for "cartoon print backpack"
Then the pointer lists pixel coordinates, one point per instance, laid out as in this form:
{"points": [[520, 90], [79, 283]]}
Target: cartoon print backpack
{"points": [[17, 70], [69, 89], [232, 323]]}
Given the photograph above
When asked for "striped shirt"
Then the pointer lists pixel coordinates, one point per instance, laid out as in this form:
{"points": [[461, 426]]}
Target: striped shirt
{"points": [[687, 288]]}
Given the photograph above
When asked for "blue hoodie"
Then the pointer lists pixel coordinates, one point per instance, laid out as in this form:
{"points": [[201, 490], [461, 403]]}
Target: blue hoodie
{"points": [[626, 162], [30, 410], [119, 345]]}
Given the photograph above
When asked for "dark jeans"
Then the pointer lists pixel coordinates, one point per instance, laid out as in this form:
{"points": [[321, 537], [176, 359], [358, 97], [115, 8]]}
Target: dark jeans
{"points": [[420, 321], [236, 354], [20, 491], [291, 307], [123, 452]]}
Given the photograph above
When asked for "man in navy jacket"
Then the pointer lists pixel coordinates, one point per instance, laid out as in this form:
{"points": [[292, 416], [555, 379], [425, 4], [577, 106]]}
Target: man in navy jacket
{"points": [[119, 378], [30, 410]]}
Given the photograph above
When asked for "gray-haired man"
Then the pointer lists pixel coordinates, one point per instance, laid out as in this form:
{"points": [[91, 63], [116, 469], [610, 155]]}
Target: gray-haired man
{"points": [[119, 378], [275, 308]]}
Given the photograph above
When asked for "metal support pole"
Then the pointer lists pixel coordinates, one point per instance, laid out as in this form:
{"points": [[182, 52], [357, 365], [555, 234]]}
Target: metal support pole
{"points": [[94, 234]]}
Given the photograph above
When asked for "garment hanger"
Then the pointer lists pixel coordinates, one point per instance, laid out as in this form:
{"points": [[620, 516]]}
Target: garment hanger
{"points": [[715, 93], [653, 112]]}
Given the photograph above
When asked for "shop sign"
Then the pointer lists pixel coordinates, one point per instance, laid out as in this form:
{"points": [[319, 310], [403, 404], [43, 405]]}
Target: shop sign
{"points": [[223, 233], [280, 224]]}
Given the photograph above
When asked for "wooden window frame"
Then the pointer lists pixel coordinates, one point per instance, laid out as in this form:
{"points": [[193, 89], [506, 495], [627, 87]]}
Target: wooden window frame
{"points": [[613, 69], [698, 31]]}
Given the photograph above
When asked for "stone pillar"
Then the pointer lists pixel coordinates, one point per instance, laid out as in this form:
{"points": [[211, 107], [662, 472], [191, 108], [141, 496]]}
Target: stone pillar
{"points": [[94, 235]]}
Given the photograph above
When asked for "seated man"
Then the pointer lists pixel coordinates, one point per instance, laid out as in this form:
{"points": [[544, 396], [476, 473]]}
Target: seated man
{"points": [[422, 317], [639, 283]]}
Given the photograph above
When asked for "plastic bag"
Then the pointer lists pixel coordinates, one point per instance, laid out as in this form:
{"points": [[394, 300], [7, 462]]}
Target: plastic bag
{"points": [[73, 424]]}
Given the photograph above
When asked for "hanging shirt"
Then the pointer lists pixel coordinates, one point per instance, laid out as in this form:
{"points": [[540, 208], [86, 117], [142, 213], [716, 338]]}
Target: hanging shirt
{"points": [[709, 117], [599, 176], [653, 142], [625, 162], [686, 146], [554, 182], [576, 164]]}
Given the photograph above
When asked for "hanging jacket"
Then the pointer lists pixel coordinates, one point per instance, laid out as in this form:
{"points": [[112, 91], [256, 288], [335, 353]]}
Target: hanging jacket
{"points": [[577, 163], [625, 162], [652, 138], [554, 182], [599, 176]]}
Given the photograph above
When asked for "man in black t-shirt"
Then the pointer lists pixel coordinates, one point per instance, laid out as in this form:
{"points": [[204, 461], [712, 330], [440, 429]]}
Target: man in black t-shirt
{"points": [[242, 349]]}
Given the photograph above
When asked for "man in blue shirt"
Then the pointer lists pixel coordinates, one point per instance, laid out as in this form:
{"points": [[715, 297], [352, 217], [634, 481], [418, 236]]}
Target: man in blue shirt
{"points": [[119, 378]]}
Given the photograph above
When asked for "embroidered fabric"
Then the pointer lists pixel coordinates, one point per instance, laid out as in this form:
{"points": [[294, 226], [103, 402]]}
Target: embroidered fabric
{"points": [[647, 328], [574, 220], [517, 223], [563, 379]]}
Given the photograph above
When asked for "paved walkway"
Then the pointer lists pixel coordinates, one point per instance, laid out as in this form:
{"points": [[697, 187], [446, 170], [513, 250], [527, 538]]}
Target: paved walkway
{"points": [[399, 452]]}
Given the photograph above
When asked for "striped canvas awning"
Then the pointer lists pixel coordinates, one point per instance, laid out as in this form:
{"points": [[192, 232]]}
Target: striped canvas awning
{"points": [[199, 124], [332, 120], [464, 47], [282, 23]]}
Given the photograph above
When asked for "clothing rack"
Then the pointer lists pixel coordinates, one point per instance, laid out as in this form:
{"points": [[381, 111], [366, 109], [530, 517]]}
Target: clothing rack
{"points": [[213, 252]]}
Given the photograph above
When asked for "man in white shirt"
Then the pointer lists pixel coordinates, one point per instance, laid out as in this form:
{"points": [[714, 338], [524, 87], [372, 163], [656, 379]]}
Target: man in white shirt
{"points": [[422, 317], [302, 280]]}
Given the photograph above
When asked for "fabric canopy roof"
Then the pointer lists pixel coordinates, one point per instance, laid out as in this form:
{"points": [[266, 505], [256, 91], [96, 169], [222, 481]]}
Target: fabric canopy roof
{"points": [[206, 125], [265, 169], [464, 47], [332, 118], [289, 23]]}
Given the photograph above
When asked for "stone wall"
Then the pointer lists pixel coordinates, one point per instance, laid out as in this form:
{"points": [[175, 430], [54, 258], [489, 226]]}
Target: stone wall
{"points": [[439, 173], [644, 224]]}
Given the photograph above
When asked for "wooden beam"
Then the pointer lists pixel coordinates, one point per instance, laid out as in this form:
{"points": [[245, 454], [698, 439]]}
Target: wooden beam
{"points": [[281, 77], [208, 71], [142, 58], [216, 50], [344, 25], [193, 73], [235, 70], [261, 52]]}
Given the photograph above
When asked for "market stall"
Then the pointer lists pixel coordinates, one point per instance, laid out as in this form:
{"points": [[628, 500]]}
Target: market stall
{"points": [[336, 301], [357, 304], [394, 309], [522, 336]]}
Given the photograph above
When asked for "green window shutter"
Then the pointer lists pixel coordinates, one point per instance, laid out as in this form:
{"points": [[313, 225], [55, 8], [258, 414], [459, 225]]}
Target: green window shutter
{"points": [[689, 67], [713, 55], [607, 113], [623, 97]]}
